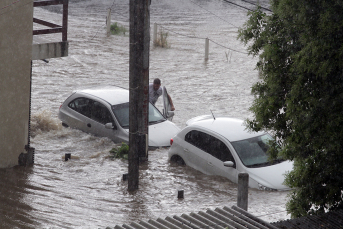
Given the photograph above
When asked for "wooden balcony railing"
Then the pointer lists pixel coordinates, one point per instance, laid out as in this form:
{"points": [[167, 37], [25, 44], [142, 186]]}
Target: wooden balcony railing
{"points": [[54, 28]]}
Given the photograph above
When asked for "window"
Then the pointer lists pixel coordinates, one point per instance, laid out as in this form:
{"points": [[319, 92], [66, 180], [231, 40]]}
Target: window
{"points": [[81, 105], [100, 113], [253, 151], [121, 111], [92, 109], [209, 144]]}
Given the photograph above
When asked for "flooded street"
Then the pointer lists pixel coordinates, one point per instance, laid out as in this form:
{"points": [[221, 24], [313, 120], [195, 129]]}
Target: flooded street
{"points": [[88, 191]]}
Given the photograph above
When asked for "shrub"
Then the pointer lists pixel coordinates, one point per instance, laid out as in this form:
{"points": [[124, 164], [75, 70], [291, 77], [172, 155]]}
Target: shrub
{"points": [[120, 152], [117, 29], [161, 40]]}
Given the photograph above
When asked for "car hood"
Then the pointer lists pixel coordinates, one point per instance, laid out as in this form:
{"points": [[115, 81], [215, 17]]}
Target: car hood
{"points": [[271, 176], [161, 133]]}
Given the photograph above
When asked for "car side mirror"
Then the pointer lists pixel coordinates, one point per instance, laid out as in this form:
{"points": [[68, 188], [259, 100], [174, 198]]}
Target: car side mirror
{"points": [[170, 114], [229, 164], [110, 126]]}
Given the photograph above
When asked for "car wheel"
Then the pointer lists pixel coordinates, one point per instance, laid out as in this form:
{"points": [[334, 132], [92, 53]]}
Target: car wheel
{"points": [[178, 160]]}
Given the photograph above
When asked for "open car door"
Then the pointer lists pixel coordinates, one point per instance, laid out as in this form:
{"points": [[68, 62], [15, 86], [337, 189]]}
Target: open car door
{"points": [[167, 112]]}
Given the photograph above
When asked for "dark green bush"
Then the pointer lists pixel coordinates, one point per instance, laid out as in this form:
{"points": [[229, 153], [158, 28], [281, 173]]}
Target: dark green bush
{"points": [[120, 152], [117, 29]]}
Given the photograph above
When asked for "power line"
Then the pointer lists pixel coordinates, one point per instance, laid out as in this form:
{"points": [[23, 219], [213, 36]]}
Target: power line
{"points": [[229, 48], [213, 14], [125, 16], [183, 34], [102, 25], [237, 5], [257, 5], [112, 4], [204, 38]]}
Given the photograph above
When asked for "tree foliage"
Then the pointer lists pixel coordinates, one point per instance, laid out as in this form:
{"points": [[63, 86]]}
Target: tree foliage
{"points": [[300, 95]]}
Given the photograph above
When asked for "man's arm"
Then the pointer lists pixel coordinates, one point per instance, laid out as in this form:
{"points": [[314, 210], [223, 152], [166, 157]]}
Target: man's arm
{"points": [[171, 103]]}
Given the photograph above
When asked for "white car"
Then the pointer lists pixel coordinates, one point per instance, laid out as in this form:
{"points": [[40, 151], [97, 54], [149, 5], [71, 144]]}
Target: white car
{"points": [[222, 146], [105, 112]]}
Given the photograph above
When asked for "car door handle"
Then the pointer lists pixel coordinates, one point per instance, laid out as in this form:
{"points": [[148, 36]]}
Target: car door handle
{"points": [[89, 125], [186, 150], [209, 163]]}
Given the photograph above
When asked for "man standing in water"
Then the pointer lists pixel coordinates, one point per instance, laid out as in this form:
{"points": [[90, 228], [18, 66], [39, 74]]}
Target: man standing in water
{"points": [[155, 91]]}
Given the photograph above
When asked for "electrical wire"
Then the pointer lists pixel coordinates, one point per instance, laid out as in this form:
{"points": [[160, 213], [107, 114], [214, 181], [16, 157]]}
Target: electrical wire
{"points": [[213, 14], [102, 26], [112, 4], [182, 34], [257, 5], [237, 5], [231, 49], [228, 47]]}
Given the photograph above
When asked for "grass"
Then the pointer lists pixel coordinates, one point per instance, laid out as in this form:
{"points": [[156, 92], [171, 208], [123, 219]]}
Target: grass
{"points": [[162, 40], [117, 29]]}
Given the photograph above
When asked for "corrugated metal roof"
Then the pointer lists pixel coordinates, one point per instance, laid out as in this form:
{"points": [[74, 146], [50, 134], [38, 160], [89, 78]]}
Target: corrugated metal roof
{"points": [[225, 217], [329, 220]]}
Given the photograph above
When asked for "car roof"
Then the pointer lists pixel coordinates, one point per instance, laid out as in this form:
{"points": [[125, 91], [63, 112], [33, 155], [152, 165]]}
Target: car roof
{"points": [[112, 94], [231, 128]]}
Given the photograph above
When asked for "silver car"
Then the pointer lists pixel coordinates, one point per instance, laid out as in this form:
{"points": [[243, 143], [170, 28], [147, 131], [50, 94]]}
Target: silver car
{"points": [[105, 112], [222, 146]]}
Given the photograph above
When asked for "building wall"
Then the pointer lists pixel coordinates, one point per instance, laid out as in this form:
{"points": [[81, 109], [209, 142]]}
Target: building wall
{"points": [[15, 66]]}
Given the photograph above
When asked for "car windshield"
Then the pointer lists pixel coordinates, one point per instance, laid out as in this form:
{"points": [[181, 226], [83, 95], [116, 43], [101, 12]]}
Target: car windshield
{"points": [[121, 111], [253, 151]]}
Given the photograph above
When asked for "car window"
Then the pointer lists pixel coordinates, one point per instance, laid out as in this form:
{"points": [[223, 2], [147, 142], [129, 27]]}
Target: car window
{"points": [[82, 106], [121, 111], [253, 151], [209, 144], [92, 109], [155, 115], [100, 113]]}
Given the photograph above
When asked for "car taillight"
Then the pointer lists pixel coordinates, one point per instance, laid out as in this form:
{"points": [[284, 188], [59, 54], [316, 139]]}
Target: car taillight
{"points": [[61, 105], [171, 141]]}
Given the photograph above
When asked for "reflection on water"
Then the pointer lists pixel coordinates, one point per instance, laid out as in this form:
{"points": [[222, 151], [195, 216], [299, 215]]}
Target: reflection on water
{"points": [[88, 191], [14, 188]]}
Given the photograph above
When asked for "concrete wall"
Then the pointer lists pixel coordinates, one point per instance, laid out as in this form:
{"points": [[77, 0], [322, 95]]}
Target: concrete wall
{"points": [[15, 66]]}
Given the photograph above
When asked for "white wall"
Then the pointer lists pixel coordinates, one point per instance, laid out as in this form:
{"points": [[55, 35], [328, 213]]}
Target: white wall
{"points": [[15, 65]]}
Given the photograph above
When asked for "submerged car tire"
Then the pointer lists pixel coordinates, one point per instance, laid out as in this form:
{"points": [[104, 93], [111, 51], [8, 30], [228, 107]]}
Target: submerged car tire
{"points": [[177, 159]]}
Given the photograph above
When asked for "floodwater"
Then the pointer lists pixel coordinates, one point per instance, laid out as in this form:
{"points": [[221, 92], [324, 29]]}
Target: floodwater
{"points": [[88, 191]]}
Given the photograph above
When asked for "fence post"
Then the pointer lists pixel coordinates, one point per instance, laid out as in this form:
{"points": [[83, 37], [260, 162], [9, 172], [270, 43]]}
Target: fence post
{"points": [[108, 22], [154, 40], [242, 195], [206, 48]]}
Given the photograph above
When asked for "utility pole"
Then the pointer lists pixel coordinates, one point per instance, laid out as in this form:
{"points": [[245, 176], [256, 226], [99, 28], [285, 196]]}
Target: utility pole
{"points": [[139, 87]]}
